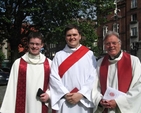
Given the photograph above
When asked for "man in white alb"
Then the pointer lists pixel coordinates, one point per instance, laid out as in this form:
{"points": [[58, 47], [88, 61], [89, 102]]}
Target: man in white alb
{"points": [[72, 75], [28, 74], [120, 73]]}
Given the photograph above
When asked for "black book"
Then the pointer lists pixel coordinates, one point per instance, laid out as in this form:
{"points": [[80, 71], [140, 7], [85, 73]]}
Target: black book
{"points": [[39, 92]]}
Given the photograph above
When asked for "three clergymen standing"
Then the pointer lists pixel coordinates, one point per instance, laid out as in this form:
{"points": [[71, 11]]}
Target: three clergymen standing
{"points": [[74, 82]]}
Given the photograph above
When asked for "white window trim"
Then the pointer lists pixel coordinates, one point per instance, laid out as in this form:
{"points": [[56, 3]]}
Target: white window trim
{"points": [[133, 3]]}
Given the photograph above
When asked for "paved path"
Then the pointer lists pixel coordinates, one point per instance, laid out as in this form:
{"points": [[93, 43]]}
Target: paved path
{"points": [[2, 92]]}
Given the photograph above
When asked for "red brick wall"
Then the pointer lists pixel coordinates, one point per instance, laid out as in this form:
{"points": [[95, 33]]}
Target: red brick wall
{"points": [[124, 23]]}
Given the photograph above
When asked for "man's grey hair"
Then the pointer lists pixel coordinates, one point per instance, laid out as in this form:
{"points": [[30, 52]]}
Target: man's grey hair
{"points": [[110, 33]]}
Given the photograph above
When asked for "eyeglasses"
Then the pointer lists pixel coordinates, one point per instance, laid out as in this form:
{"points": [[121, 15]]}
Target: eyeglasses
{"points": [[32, 44], [113, 43]]}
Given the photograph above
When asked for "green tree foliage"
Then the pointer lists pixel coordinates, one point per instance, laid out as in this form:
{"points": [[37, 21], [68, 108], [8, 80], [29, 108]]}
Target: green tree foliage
{"points": [[50, 17], [62, 12]]}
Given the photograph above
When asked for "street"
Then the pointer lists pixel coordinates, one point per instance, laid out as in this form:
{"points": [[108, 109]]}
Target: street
{"points": [[2, 92]]}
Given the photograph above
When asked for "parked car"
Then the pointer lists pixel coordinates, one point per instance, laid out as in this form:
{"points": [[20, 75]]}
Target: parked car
{"points": [[4, 77], [6, 69]]}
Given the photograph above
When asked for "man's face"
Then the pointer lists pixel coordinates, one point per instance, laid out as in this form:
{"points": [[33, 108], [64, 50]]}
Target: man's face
{"points": [[35, 45], [112, 45], [73, 38]]}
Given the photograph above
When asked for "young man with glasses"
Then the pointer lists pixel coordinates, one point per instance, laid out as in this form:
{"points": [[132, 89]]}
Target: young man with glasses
{"points": [[28, 74]]}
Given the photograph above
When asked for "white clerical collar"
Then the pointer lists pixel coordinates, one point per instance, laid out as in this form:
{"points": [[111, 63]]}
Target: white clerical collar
{"points": [[34, 59], [67, 48], [116, 59]]}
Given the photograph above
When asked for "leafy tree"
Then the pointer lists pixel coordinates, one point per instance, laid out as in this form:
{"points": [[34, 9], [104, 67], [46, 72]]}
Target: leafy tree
{"points": [[62, 12], [12, 15], [50, 17]]}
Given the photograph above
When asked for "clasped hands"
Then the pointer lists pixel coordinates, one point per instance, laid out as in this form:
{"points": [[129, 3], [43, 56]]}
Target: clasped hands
{"points": [[73, 98], [111, 104]]}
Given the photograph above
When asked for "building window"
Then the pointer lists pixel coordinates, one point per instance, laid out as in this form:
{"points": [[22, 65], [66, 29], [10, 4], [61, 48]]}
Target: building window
{"points": [[105, 30], [133, 3], [116, 27], [133, 17], [52, 45], [133, 31]]}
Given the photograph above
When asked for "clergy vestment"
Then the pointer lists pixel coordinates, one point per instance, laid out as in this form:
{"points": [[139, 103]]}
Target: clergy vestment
{"points": [[81, 75], [34, 80], [129, 103]]}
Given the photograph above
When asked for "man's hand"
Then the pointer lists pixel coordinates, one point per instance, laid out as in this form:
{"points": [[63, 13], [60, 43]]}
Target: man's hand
{"points": [[108, 103], [73, 98], [44, 97]]}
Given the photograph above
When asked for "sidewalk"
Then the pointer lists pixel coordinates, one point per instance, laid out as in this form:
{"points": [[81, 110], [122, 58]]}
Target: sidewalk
{"points": [[2, 92]]}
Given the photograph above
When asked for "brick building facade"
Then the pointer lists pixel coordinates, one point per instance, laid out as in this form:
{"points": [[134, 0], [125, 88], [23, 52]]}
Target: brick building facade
{"points": [[126, 20]]}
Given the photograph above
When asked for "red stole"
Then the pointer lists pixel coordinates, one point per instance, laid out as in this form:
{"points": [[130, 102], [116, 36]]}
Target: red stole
{"points": [[124, 73], [73, 58], [21, 86], [68, 62]]}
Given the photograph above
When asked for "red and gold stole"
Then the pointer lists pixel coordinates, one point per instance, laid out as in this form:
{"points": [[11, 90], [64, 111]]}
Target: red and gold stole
{"points": [[72, 59], [124, 73], [21, 86]]}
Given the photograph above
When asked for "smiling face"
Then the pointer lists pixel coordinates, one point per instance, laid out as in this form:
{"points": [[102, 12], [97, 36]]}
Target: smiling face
{"points": [[73, 38], [112, 45], [35, 45]]}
